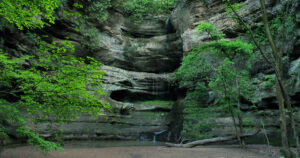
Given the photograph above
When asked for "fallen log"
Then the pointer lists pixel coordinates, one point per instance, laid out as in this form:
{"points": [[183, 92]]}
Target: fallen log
{"points": [[211, 140]]}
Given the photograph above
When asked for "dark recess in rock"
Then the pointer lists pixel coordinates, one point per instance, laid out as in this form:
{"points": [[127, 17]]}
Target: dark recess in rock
{"points": [[128, 96]]}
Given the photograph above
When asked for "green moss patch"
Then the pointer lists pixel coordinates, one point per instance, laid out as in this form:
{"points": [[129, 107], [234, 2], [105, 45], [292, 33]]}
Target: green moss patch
{"points": [[156, 102]]}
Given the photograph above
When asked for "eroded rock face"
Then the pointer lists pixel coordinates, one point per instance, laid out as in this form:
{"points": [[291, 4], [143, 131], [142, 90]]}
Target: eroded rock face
{"points": [[151, 46], [189, 14], [129, 118], [137, 85], [138, 63], [156, 54]]}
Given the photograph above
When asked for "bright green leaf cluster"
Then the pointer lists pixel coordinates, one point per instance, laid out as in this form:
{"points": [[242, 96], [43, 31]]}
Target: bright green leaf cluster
{"points": [[53, 83], [193, 69], [29, 14], [220, 66], [210, 30]]}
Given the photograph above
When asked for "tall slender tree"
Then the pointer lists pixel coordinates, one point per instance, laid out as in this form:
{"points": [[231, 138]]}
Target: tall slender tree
{"points": [[277, 54]]}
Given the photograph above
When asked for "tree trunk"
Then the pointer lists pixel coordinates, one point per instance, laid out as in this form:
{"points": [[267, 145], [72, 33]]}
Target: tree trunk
{"points": [[240, 120], [265, 132], [211, 140], [238, 135], [280, 89], [230, 108]]}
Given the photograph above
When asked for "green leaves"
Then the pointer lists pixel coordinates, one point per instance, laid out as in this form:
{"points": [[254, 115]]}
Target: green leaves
{"points": [[29, 14], [217, 65], [97, 10], [210, 30], [137, 9], [53, 83], [194, 68], [220, 47], [62, 89], [13, 123]]}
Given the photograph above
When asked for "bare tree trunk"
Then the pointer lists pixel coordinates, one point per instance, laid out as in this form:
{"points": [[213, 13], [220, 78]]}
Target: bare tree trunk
{"points": [[283, 126], [265, 132], [241, 128], [210, 140], [230, 109], [280, 89], [235, 128], [240, 120]]}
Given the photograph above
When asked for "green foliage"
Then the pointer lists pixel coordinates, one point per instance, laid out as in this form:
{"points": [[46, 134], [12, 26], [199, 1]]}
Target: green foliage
{"points": [[29, 14], [228, 49], [229, 80], [196, 109], [194, 68], [156, 102], [51, 83], [137, 9], [269, 81], [198, 96], [196, 131], [97, 10], [220, 47], [276, 28], [236, 6], [13, 123], [229, 84], [43, 146], [86, 11], [60, 89], [4, 24], [210, 30], [195, 125], [91, 41]]}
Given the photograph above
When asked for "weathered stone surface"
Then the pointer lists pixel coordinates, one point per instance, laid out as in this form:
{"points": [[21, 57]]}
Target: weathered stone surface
{"points": [[148, 47], [156, 54], [155, 85], [138, 62], [189, 14], [128, 118], [111, 125]]}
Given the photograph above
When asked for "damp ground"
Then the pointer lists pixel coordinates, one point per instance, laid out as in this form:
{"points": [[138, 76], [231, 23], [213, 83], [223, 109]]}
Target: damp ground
{"points": [[133, 149]]}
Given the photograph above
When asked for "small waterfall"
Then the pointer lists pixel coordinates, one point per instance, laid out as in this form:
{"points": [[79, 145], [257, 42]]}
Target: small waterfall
{"points": [[157, 133], [169, 136], [167, 24], [175, 136]]}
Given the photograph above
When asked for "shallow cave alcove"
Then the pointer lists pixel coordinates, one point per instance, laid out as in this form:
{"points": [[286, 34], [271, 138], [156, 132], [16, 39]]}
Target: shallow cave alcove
{"points": [[129, 96]]}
